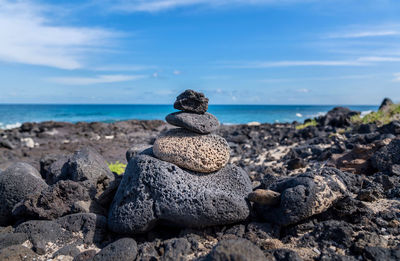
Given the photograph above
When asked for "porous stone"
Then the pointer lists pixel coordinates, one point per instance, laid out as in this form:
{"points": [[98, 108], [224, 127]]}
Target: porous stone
{"points": [[307, 194], [201, 153], [200, 123], [53, 202], [53, 168], [16, 183], [17, 253], [92, 226], [88, 165], [191, 101], [238, 250], [40, 232], [157, 192], [10, 239], [387, 156], [124, 249]]}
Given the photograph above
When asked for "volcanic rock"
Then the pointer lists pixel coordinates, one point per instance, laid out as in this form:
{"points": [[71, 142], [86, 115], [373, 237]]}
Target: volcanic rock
{"points": [[124, 249], [191, 101], [153, 191], [305, 195], [200, 123], [240, 249], [201, 153], [16, 183]]}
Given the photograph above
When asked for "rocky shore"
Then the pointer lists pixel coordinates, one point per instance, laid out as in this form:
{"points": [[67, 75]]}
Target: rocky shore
{"points": [[327, 189]]}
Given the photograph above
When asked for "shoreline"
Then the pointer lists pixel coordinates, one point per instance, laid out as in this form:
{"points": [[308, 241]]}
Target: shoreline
{"points": [[268, 153]]}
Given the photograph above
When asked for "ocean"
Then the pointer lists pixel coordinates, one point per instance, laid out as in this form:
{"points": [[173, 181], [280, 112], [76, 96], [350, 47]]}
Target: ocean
{"points": [[12, 115]]}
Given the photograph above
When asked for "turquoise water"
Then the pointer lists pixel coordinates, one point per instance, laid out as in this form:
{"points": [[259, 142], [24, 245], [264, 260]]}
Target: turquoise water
{"points": [[14, 115]]}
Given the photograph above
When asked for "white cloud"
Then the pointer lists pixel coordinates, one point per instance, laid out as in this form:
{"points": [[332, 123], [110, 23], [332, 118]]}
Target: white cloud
{"points": [[304, 90], [28, 37], [397, 77], [379, 59], [95, 80], [177, 72], [364, 34], [329, 78], [124, 68], [253, 65], [161, 5]]}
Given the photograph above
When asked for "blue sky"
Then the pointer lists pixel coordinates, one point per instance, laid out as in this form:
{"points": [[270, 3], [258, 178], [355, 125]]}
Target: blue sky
{"points": [[237, 51]]}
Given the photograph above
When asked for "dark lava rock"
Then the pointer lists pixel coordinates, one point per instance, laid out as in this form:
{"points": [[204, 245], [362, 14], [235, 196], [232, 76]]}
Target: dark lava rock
{"points": [[306, 194], [235, 250], [153, 191], [337, 117], [55, 201], [124, 249], [87, 255], [295, 164], [88, 165], [16, 183], [135, 150], [176, 249], [200, 123], [17, 253], [191, 101], [53, 168], [93, 227], [90, 169], [380, 253], [11, 239], [387, 156], [283, 255], [6, 144], [41, 232], [68, 250], [385, 105], [391, 128], [330, 232]]}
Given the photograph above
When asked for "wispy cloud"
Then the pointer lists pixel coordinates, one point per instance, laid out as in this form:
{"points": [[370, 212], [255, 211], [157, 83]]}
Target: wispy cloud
{"points": [[303, 90], [361, 61], [364, 34], [328, 78], [366, 31], [95, 80], [124, 68], [397, 77], [28, 37], [161, 5], [379, 59], [255, 65]]}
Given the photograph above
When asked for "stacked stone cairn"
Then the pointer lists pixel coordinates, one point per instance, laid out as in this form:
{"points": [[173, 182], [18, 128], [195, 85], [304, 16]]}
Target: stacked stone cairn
{"points": [[184, 179]]}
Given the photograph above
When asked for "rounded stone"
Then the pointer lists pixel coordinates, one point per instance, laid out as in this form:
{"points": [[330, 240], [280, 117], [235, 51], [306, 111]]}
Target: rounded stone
{"points": [[154, 192], [16, 183], [192, 151], [200, 123]]}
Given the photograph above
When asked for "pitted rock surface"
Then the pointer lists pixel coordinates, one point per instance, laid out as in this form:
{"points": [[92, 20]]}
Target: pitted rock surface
{"points": [[201, 153], [191, 101], [16, 183], [200, 123], [154, 191], [307, 194]]}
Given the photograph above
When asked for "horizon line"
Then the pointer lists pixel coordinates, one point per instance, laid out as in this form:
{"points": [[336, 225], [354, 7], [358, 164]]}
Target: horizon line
{"points": [[162, 104]]}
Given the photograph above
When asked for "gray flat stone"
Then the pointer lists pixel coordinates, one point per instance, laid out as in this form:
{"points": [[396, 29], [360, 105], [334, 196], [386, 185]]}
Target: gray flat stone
{"points": [[200, 123]]}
